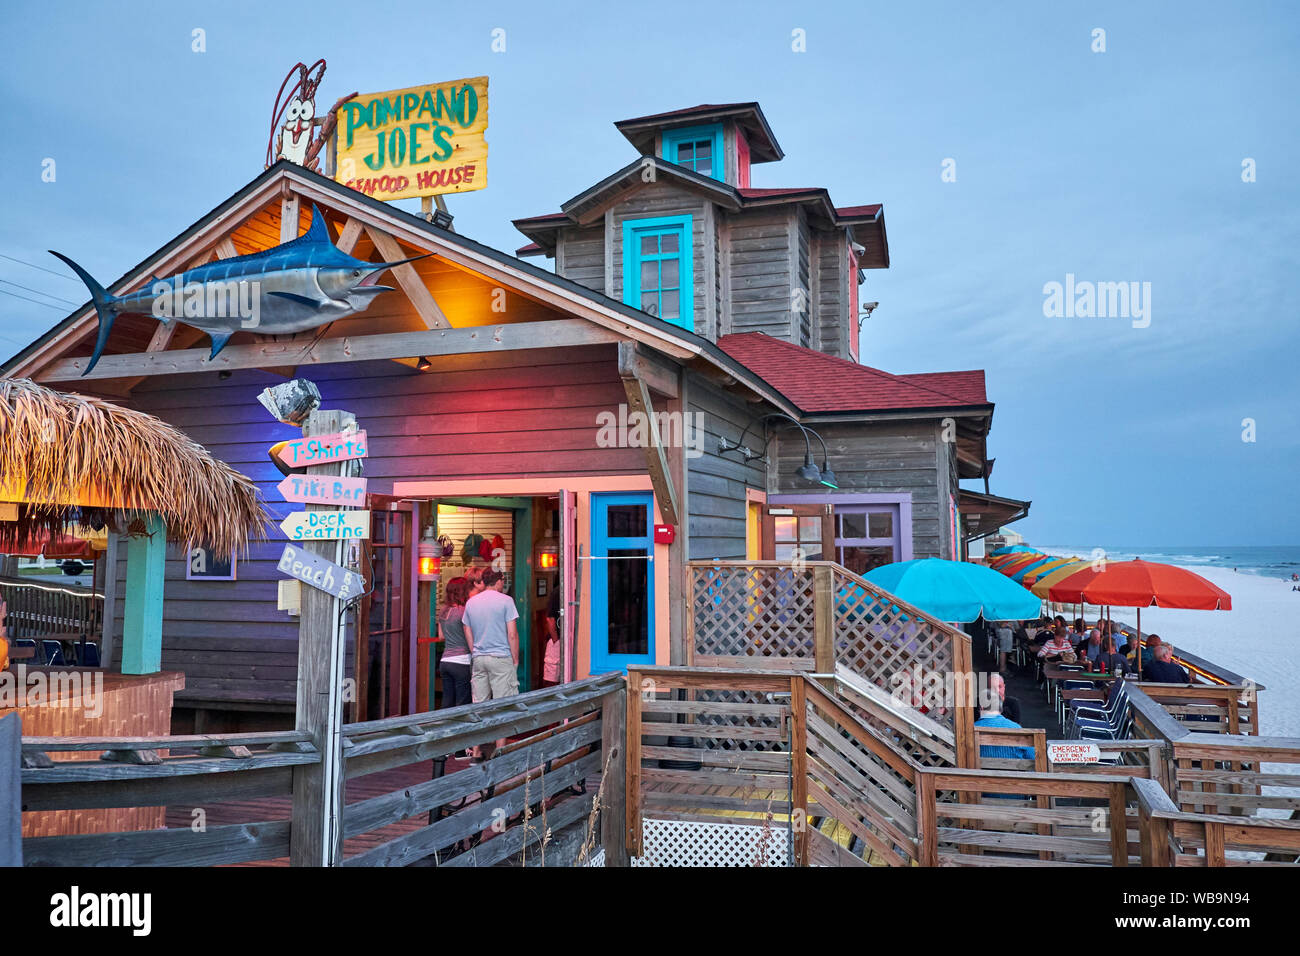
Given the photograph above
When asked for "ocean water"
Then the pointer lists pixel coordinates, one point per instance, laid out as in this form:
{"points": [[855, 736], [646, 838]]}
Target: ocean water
{"points": [[1274, 561]]}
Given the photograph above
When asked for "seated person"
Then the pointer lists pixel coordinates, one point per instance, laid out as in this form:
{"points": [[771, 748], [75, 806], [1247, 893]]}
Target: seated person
{"points": [[1162, 669], [1149, 649], [1010, 705], [1090, 649], [1110, 660], [1058, 645], [991, 716], [1130, 651]]}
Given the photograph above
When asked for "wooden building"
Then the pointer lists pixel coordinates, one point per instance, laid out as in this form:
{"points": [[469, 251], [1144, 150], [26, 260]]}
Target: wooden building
{"points": [[499, 396]]}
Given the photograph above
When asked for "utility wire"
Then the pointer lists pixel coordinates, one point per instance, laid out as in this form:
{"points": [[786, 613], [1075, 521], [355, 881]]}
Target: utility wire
{"points": [[48, 305], [61, 275], [39, 292]]}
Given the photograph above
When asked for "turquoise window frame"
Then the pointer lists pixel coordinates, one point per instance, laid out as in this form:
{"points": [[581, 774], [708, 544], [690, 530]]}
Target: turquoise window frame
{"points": [[673, 139], [634, 230], [602, 660]]}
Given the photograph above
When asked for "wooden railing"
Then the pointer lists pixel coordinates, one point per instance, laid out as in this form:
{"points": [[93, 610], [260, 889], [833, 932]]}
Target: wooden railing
{"points": [[571, 735], [38, 609], [476, 816], [1174, 838], [195, 771], [818, 616]]}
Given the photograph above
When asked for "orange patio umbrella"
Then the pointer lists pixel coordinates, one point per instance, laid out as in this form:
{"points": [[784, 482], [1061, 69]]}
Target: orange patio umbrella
{"points": [[1140, 584]]}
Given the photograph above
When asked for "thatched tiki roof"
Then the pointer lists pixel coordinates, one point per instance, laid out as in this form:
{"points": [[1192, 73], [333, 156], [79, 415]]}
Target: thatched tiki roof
{"points": [[72, 459]]}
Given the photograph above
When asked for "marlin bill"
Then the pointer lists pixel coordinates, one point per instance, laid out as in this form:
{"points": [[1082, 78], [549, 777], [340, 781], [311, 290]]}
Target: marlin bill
{"points": [[295, 286]]}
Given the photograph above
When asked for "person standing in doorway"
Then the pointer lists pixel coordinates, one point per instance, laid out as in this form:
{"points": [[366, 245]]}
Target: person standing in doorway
{"points": [[492, 629], [456, 660], [551, 653]]}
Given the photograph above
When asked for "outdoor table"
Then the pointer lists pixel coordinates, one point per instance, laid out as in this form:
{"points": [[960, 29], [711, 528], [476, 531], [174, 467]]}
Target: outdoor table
{"points": [[21, 653]]}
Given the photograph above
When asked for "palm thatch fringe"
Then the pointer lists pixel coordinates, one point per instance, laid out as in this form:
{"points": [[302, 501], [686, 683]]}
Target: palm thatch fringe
{"points": [[81, 459]]}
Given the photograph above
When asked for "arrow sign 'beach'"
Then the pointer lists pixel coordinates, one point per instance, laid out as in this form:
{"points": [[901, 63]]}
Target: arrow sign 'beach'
{"points": [[314, 570], [326, 525], [321, 449], [323, 490]]}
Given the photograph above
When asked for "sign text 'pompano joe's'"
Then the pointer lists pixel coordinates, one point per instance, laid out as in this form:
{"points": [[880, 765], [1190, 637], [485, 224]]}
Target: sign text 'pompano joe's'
{"points": [[420, 141]]}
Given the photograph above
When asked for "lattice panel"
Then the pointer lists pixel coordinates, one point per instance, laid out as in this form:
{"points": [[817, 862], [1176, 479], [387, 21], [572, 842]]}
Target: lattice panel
{"points": [[878, 639], [693, 843], [764, 726], [744, 611]]}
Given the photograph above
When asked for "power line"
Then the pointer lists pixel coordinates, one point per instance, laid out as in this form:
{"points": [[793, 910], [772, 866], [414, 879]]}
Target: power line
{"points": [[48, 305], [33, 265], [39, 292]]}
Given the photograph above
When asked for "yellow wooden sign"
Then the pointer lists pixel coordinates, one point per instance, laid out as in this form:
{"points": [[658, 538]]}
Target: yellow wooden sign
{"points": [[420, 141]]}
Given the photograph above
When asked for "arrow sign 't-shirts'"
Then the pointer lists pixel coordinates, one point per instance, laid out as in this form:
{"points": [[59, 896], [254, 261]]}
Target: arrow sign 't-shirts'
{"points": [[326, 525], [324, 490], [321, 449], [319, 573]]}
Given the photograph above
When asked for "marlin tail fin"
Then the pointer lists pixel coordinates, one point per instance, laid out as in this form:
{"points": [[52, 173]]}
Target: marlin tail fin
{"points": [[105, 307]]}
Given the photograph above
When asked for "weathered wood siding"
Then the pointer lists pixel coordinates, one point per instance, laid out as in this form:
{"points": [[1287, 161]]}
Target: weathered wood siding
{"points": [[948, 486], [580, 256], [662, 199], [876, 458], [802, 317], [763, 272], [715, 482], [831, 305], [490, 416]]}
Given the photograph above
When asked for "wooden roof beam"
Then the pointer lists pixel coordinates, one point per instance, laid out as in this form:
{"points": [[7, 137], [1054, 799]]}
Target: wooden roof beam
{"points": [[558, 333], [416, 291]]}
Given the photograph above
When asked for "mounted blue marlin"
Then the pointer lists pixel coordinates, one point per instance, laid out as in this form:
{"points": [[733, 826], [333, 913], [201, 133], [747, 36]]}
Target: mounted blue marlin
{"points": [[298, 285]]}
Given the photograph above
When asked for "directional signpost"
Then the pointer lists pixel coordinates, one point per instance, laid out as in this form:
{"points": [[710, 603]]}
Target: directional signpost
{"points": [[324, 490], [326, 525], [327, 451], [321, 449], [319, 573]]}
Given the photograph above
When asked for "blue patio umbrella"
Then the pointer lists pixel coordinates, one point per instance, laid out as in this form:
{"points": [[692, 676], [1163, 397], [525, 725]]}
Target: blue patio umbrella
{"points": [[956, 591], [1010, 549]]}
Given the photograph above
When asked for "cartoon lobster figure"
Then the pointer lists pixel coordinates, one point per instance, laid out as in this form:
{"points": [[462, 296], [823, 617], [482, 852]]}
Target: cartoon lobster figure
{"points": [[296, 133]]}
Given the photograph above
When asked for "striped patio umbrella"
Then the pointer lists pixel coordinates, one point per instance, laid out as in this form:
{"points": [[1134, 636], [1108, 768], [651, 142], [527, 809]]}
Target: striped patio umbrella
{"points": [[1043, 583], [1018, 575], [1033, 574], [1010, 549], [1019, 561]]}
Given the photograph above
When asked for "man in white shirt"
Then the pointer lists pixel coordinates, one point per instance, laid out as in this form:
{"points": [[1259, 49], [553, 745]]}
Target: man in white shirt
{"points": [[491, 624]]}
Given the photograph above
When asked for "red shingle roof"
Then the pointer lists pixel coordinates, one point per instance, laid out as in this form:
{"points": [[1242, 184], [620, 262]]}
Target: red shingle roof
{"points": [[817, 382]]}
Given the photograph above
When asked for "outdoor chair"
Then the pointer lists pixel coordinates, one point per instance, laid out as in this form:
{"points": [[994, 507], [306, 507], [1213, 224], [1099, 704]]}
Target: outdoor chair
{"points": [[54, 653], [87, 654], [39, 658]]}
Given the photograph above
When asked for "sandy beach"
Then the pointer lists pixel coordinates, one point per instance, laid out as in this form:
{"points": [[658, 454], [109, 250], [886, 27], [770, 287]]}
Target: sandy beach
{"points": [[1259, 638]]}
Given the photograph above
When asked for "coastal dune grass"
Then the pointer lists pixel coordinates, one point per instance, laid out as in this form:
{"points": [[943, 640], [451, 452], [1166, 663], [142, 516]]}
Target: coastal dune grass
{"points": [[71, 459]]}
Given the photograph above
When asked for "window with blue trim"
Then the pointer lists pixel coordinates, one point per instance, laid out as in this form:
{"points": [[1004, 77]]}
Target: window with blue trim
{"points": [[698, 148], [657, 268]]}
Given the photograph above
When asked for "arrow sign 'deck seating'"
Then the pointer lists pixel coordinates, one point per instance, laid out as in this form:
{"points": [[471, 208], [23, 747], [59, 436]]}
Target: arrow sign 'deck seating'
{"points": [[323, 490], [326, 575], [321, 449], [326, 525]]}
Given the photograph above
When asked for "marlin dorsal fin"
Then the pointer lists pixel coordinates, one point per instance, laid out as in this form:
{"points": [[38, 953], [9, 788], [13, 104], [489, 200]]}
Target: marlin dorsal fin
{"points": [[318, 231]]}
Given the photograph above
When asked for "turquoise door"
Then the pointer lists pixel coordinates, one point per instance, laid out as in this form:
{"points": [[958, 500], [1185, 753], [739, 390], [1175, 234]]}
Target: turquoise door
{"points": [[622, 581]]}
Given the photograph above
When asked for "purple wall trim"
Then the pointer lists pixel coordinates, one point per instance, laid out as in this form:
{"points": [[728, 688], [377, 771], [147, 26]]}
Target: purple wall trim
{"points": [[902, 499]]}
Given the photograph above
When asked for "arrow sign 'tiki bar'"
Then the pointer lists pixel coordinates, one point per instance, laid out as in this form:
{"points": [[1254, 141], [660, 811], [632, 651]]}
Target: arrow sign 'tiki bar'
{"points": [[323, 490], [321, 449], [326, 525], [319, 573]]}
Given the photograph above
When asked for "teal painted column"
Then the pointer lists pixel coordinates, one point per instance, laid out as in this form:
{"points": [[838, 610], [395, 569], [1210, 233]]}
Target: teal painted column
{"points": [[142, 604]]}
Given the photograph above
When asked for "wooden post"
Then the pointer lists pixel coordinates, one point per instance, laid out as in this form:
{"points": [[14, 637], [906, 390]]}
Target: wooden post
{"points": [[110, 602], [927, 820], [799, 768], [1118, 824], [1214, 850], [633, 762], [613, 810], [315, 836], [963, 719], [823, 620], [142, 609]]}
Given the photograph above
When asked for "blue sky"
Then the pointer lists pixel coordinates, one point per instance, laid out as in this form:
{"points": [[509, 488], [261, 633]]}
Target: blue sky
{"points": [[1117, 166]]}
